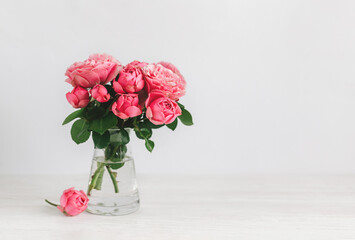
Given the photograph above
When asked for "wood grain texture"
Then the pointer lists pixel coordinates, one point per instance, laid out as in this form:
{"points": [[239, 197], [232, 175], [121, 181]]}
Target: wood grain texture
{"points": [[189, 207]]}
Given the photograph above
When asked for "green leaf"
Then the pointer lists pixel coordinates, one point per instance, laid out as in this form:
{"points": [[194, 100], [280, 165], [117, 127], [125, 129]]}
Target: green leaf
{"points": [[79, 131], [102, 124], [121, 152], [118, 157], [110, 151], [101, 141], [186, 117], [121, 137], [110, 90], [180, 105], [73, 115], [116, 165], [149, 144], [95, 110], [143, 133], [173, 125]]}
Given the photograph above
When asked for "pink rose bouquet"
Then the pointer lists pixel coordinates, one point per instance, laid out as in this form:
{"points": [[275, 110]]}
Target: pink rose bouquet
{"points": [[140, 96]]}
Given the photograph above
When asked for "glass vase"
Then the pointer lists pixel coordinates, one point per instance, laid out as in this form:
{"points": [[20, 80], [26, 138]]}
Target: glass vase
{"points": [[112, 184]]}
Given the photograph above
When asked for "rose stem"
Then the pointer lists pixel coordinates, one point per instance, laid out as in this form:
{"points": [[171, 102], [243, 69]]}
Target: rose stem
{"points": [[55, 205], [112, 178], [94, 178]]}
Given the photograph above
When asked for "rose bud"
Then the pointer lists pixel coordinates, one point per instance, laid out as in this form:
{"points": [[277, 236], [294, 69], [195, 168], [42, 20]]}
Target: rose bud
{"points": [[78, 97], [97, 69], [100, 93], [127, 105], [72, 202], [130, 79], [161, 109]]}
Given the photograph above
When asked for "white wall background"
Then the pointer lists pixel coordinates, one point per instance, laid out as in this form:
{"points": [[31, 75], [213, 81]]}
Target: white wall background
{"points": [[271, 84]]}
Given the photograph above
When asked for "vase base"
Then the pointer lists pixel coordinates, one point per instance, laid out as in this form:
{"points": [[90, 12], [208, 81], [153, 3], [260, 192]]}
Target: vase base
{"points": [[116, 207]]}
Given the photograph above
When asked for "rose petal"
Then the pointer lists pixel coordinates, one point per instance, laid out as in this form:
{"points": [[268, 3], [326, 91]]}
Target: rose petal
{"points": [[133, 111]]}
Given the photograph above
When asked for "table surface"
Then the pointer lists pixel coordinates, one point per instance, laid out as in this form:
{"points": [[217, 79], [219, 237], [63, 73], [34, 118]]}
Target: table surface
{"points": [[188, 207]]}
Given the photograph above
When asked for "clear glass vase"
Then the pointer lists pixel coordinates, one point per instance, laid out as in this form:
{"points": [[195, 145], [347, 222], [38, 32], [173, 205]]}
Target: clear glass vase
{"points": [[112, 186]]}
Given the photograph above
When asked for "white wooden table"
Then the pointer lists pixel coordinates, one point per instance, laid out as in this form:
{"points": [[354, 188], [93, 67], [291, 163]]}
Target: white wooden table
{"points": [[188, 207]]}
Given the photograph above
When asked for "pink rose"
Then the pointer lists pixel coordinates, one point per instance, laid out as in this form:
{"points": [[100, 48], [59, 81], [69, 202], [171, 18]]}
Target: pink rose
{"points": [[78, 98], [97, 69], [127, 105], [138, 64], [130, 79], [73, 202], [164, 79], [171, 67], [100, 93], [161, 109]]}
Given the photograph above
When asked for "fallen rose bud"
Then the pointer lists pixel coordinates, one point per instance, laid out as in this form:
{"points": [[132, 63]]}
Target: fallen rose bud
{"points": [[72, 202]]}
